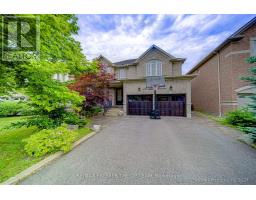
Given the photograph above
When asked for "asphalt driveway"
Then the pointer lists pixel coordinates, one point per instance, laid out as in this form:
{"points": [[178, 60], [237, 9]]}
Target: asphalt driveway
{"points": [[137, 150]]}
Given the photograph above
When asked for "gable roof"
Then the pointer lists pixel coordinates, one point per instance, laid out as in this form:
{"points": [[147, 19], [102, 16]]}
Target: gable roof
{"points": [[102, 57], [234, 37], [159, 49], [135, 61], [124, 63]]}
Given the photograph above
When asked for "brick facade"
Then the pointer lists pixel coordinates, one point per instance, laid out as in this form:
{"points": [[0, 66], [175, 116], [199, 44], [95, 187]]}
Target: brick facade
{"points": [[219, 75]]}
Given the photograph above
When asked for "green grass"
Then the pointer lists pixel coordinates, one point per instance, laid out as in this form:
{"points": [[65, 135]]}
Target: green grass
{"points": [[83, 132], [13, 158], [219, 120], [6, 121]]}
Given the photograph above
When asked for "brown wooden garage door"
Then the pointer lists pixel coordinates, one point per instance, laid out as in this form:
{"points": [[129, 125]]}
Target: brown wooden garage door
{"points": [[139, 104], [168, 105]]}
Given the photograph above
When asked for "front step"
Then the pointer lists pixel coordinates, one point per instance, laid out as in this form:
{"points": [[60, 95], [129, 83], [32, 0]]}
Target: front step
{"points": [[114, 112], [118, 106]]}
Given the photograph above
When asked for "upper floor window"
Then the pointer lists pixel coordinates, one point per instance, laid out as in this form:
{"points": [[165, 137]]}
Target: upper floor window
{"points": [[154, 68], [253, 46], [122, 74]]}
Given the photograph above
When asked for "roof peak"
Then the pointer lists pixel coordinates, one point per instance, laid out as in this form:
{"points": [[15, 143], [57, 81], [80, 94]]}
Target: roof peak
{"points": [[159, 49]]}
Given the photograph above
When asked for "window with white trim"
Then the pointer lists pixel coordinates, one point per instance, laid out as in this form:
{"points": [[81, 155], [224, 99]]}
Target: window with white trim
{"points": [[122, 74], [253, 46], [154, 68]]}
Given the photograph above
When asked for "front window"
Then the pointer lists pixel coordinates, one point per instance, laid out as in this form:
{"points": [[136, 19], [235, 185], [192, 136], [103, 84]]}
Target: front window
{"points": [[154, 68], [122, 74]]}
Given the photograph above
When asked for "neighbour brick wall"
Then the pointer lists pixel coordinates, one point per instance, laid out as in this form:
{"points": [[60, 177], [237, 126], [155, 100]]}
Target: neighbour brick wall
{"points": [[204, 88], [239, 65], [232, 67], [226, 76]]}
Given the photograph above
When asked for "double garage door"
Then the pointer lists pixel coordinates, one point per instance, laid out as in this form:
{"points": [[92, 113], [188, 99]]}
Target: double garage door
{"points": [[168, 105]]}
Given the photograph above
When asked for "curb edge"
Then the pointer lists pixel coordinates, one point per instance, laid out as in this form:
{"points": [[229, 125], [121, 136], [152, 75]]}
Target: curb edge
{"points": [[36, 167]]}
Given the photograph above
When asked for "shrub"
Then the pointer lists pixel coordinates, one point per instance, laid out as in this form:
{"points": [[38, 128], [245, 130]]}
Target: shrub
{"points": [[251, 131], [240, 118], [50, 120], [14, 108], [90, 111], [41, 122], [73, 118], [48, 141]]}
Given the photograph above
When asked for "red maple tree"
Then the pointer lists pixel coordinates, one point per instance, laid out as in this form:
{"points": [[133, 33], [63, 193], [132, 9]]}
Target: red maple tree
{"points": [[94, 86]]}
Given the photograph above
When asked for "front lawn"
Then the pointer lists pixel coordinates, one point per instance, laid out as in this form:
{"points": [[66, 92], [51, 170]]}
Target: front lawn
{"points": [[13, 158]]}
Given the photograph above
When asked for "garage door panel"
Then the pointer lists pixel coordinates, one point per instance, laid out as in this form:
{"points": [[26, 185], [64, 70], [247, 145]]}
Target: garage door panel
{"points": [[168, 105], [171, 108], [139, 107]]}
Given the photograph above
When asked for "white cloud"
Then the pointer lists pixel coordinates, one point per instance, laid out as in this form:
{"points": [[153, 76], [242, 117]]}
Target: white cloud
{"points": [[130, 36]]}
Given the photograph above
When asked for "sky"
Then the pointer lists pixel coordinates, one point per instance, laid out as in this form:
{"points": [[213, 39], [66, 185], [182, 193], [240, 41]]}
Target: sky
{"points": [[122, 37]]}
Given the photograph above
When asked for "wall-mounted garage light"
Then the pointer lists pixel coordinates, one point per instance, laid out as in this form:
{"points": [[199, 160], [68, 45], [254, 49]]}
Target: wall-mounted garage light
{"points": [[170, 87], [139, 89]]}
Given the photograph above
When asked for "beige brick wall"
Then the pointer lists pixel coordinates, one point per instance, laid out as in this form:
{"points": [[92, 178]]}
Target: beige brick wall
{"points": [[154, 55], [178, 87], [176, 69], [139, 71]]}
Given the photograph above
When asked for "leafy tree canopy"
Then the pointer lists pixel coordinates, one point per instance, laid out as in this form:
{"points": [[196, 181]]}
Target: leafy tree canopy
{"points": [[59, 53]]}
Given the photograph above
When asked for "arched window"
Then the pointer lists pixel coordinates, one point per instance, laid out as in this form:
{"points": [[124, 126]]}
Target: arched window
{"points": [[154, 68]]}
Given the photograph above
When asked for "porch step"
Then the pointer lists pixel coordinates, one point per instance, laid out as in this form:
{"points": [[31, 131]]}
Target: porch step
{"points": [[114, 112], [118, 106]]}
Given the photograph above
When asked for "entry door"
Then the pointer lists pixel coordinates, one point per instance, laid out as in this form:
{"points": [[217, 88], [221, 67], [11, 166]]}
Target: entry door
{"points": [[119, 96]]}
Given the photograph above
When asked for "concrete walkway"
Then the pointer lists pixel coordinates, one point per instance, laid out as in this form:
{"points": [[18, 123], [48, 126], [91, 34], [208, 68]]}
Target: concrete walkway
{"points": [[137, 150]]}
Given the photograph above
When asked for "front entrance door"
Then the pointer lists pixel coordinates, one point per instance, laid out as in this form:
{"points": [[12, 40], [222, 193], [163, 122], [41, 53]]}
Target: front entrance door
{"points": [[119, 96]]}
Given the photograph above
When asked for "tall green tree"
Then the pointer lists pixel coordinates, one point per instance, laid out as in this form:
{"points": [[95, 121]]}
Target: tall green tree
{"points": [[251, 130], [59, 53], [252, 80]]}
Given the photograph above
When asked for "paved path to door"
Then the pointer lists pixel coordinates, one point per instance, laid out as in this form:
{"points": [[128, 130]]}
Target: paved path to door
{"points": [[137, 150]]}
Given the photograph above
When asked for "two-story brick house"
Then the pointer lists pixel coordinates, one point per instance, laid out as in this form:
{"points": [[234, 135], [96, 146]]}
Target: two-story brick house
{"points": [[130, 90], [218, 87]]}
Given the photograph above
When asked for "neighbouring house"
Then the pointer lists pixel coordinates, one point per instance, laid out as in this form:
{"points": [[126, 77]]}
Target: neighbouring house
{"points": [[63, 77], [129, 89], [218, 87]]}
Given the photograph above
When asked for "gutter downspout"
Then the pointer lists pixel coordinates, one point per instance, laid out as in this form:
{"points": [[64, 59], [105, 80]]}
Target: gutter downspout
{"points": [[219, 93]]}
